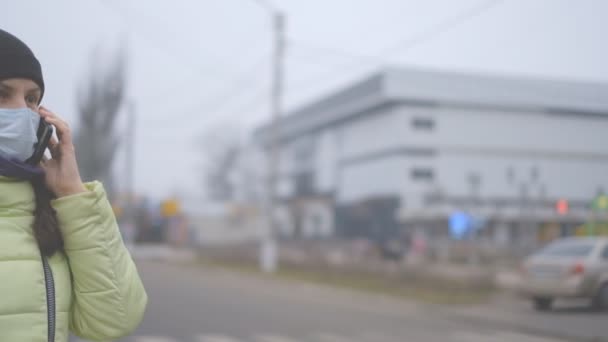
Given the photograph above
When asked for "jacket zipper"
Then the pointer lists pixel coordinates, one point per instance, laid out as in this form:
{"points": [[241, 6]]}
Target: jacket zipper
{"points": [[50, 298]]}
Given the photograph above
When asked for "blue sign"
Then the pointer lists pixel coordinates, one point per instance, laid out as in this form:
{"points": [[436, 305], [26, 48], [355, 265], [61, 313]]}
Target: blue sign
{"points": [[461, 224]]}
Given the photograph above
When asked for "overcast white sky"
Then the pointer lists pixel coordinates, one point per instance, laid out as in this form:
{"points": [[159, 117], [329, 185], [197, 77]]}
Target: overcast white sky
{"points": [[197, 63]]}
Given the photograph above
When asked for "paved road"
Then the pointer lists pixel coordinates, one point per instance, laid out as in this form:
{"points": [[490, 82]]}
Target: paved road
{"points": [[194, 304], [572, 319]]}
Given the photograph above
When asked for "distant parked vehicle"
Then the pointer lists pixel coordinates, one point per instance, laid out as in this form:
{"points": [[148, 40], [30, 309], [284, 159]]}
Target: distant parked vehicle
{"points": [[568, 268]]}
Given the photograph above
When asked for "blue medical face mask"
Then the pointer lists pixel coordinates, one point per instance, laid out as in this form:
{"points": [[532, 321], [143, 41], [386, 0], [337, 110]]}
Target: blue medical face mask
{"points": [[18, 128]]}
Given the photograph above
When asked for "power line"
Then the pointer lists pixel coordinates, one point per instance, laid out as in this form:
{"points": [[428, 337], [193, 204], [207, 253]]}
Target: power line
{"points": [[146, 31], [216, 103], [213, 102], [408, 43], [331, 64], [403, 45], [149, 29], [267, 5], [257, 101], [360, 60], [179, 86], [442, 27], [312, 83], [234, 86], [354, 56], [250, 104], [253, 102]]}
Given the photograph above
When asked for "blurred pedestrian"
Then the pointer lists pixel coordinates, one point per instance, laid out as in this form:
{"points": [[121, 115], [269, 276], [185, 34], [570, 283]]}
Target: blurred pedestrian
{"points": [[62, 262]]}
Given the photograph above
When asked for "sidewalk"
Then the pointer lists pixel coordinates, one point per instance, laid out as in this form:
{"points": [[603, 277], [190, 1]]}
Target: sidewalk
{"points": [[161, 252]]}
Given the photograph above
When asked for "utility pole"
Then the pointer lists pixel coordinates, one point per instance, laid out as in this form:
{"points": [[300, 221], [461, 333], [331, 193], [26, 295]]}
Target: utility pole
{"points": [[474, 180], [269, 250], [130, 150], [129, 225]]}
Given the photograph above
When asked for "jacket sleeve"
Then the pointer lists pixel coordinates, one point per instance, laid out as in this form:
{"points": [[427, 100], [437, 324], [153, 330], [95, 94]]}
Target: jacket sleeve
{"points": [[108, 297]]}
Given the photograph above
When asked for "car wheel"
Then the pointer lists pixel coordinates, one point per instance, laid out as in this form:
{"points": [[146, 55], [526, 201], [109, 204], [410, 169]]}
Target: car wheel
{"points": [[543, 303], [600, 301]]}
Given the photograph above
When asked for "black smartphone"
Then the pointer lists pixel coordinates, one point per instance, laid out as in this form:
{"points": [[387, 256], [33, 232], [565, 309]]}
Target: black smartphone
{"points": [[45, 132]]}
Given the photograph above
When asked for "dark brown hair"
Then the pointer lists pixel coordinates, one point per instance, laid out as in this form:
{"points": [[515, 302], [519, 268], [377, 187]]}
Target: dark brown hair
{"points": [[46, 226]]}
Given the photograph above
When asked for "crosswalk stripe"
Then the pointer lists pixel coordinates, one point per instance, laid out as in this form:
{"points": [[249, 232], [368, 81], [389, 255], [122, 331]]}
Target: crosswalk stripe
{"points": [[465, 336], [382, 337], [273, 338], [461, 336], [497, 337], [509, 336], [324, 337], [153, 339], [215, 338]]}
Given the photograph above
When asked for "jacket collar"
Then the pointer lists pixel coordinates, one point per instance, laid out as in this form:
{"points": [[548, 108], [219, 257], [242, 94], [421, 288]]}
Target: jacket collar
{"points": [[16, 198]]}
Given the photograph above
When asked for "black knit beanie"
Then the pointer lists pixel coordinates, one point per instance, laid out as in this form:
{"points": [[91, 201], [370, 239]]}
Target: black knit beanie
{"points": [[18, 61]]}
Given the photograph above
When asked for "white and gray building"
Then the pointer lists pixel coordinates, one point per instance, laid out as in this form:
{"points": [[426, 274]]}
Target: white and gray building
{"points": [[404, 149]]}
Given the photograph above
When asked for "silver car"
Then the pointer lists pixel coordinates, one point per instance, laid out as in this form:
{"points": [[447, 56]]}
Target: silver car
{"points": [[568, 268]]}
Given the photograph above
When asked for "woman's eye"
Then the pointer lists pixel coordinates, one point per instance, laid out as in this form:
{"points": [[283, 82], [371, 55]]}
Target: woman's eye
{"points": [[32, 99]]}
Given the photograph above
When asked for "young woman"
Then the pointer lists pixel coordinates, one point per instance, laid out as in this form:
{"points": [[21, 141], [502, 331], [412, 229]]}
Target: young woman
{"points": [[63, 265]]}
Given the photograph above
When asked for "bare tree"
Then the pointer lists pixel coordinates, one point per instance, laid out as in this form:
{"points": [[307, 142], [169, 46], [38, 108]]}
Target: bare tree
{"points": [[99, 103], [248, 176], [222, 149]]}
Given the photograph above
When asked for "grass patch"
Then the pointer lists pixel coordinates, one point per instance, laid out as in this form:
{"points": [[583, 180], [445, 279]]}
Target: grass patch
{"points": [[412, 289]]}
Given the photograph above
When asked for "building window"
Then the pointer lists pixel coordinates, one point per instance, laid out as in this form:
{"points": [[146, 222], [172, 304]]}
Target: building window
{"points": [[304, 183], [304, 155], [423, 124], [510, 175], [534, 173], [422, 174]]}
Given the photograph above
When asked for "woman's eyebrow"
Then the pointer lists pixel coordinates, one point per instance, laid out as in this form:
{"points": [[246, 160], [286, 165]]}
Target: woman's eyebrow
{"points": [[5, 86], [34, 90]]}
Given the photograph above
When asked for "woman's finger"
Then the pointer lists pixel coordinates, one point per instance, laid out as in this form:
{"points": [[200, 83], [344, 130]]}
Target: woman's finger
{"points": [[54, 147], [42, 111], [63, 129], [43, 162]]}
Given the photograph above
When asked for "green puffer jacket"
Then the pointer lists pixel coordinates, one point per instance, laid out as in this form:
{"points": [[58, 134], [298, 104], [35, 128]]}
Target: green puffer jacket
{"points": [[98, 292]]}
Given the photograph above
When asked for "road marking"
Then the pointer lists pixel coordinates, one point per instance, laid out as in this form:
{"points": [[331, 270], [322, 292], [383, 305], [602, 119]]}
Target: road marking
{"points": [[497, 337], [473, 337], [381, 337], [273, 338], [462, 336], [215, 338], [509, 336], [152, 339], [324, 337]]}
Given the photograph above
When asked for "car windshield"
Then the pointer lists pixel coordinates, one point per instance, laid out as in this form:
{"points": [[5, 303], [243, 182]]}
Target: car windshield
{"points": [[568, 249]]}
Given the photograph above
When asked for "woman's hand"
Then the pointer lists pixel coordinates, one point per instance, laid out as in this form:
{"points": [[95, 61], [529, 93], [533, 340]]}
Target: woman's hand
{"points": [[62, 175]]}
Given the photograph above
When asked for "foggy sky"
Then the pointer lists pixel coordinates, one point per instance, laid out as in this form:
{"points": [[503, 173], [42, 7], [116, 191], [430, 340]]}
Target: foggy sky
{"points": [[200, 63]]}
